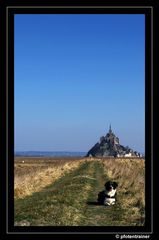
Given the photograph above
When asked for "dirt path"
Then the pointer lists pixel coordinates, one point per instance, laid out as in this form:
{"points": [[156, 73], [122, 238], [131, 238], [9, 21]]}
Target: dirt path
{"points": [[99, 215], [70, 201]]}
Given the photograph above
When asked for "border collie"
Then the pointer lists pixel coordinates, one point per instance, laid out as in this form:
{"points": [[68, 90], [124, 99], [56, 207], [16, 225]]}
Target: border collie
{"points": [[108, 196]]}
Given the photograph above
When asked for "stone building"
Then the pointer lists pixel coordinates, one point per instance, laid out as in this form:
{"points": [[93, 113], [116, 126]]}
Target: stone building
{"points": [[109, 145]]}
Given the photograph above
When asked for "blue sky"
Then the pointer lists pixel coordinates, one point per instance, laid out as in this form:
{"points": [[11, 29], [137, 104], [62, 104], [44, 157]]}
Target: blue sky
{"points": [[74, 75]]}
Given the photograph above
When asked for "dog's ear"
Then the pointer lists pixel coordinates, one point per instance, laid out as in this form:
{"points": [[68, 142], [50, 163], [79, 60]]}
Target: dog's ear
{"points": [[106, 184], [115, 184]]}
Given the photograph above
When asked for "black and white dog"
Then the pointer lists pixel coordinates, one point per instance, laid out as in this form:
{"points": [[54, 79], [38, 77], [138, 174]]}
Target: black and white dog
{"points": [[108, 196]]}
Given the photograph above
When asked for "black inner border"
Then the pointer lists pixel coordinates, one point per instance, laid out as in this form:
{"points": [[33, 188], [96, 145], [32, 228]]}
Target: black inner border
{"points": [[148, 150]]}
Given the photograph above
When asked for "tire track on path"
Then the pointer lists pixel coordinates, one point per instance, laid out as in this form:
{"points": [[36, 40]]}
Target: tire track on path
{"points": [[99, 215]]}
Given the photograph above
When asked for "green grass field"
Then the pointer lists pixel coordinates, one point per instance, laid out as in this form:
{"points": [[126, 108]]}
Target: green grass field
{"points": [[70, 198]]}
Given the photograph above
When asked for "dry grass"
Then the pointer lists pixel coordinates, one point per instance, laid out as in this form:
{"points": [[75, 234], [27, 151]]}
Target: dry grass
{"points": [[62, 203], [56, 198], [32, 177], [130, 175]]}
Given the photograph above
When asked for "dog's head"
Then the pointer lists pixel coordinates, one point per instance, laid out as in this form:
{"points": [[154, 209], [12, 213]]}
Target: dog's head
{"points": [[109, 186]]}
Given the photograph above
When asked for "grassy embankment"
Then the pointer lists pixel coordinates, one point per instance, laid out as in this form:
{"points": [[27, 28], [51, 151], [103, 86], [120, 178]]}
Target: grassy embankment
{"points": [[130, 175], [66, 196]]}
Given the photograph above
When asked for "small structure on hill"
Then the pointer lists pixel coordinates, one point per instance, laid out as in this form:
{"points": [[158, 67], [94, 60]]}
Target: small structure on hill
{"points": [[109, 146]]}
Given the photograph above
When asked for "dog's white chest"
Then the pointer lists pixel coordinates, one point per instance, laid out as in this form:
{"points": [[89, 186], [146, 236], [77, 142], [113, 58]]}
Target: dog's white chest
{"points": [[111, 193]]}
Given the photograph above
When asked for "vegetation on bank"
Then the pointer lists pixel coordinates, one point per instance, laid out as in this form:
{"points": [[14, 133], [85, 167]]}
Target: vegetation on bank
{"points": [[67, 196]]}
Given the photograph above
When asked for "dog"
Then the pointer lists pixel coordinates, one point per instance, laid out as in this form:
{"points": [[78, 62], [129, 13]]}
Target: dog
{"points": [[108, 196]]}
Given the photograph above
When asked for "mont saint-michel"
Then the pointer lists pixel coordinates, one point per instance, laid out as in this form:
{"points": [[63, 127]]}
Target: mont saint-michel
{"points": [[109, 145]]}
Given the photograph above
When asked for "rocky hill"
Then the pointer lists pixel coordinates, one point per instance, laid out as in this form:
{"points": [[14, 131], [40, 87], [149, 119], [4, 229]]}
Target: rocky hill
{"points": [[110, 146]]}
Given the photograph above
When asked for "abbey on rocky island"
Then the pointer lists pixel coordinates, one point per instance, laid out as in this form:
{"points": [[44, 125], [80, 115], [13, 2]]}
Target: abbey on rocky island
{"points": [[109, 146]]}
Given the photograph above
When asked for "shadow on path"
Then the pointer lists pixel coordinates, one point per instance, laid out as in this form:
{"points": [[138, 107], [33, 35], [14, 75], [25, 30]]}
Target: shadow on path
{"points": [[94, 203]]}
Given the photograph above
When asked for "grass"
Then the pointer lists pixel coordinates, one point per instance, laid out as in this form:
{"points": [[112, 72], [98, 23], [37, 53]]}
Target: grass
{"points": [[68, 197], [33, 175], [59, 203], [130, 174]]}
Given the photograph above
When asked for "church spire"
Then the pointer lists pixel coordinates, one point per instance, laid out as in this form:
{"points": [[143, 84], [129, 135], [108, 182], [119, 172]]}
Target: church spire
{"points": [[110, 130]]}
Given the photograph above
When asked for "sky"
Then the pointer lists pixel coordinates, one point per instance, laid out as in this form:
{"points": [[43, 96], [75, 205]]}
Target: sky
{"points": [[74, 74]]}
